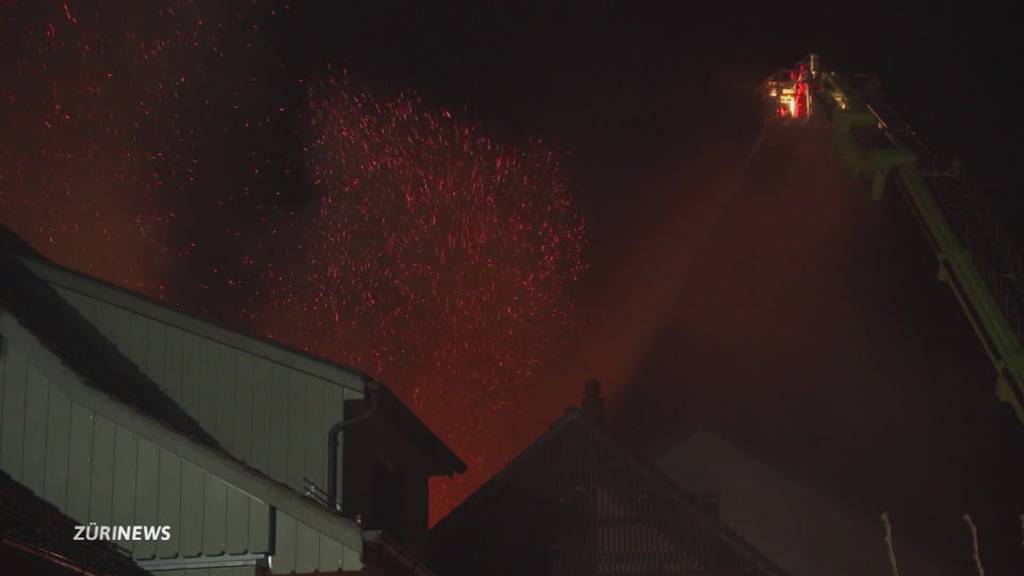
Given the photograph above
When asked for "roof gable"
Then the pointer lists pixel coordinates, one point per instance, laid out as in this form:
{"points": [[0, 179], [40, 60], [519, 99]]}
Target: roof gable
{"points": [[76, 288], [573, 481], [203, 455], [91, 371], [273, 377], [444, 462], [81, 346]]}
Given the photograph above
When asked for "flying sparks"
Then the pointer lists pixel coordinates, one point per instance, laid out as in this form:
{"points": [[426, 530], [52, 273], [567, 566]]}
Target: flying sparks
{"points": [[156, 149], [437, 259], [107, 112]]}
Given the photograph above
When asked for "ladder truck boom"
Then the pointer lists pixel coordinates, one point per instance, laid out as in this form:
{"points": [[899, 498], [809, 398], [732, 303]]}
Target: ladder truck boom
{"points": [[975, 259]]}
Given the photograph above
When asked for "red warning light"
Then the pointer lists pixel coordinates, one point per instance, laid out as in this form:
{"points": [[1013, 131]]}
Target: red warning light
{"points": [[790, 93]]}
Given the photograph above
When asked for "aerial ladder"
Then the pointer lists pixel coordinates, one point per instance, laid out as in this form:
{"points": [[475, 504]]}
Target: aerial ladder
{"points": [[975, 257]]}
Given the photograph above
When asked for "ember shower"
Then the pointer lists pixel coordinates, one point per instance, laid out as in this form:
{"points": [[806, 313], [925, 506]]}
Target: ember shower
{"points": [[437, 259], [145, 148]]}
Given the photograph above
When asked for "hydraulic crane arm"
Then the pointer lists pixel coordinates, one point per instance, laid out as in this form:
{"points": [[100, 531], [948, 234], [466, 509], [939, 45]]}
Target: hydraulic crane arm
{"points": [[981, 267]]}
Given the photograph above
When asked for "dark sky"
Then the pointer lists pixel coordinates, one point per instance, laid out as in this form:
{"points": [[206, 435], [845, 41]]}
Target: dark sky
{"points": [[692, 266], [837, 366], [626, 86]]}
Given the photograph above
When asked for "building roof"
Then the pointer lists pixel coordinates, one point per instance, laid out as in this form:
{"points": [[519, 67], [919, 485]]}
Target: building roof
{"points": [[444, 461], [35, 527], [591, 455], [783, 515], [80, 345], [67, 278], [113, 385], [151, 398]]}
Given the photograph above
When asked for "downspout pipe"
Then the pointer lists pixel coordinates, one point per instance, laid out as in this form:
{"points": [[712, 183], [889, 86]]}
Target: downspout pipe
{"points": [[372, 392]]}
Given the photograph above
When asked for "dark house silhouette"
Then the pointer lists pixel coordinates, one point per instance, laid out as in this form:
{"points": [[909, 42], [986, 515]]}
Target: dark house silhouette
{"points": [[120, 411], [574, 503]]}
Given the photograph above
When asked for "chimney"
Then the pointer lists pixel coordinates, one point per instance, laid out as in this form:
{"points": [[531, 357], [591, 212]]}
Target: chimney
{"points": [[593, 404]]}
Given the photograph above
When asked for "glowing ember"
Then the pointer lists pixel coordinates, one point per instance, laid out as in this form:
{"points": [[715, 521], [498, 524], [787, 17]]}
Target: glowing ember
{"points": [[144, 147], [437, 259], [115, 119], [90, 152]]}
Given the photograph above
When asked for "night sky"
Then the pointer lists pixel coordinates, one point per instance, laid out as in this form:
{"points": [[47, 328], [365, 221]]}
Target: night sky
{"points": [[484, 204]]}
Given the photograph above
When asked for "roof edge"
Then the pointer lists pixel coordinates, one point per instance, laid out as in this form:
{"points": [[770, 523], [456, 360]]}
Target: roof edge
{"points": [[233, 471], [573, 416], [476, 496], [381, 540], [273, 351], [446, 460]]}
